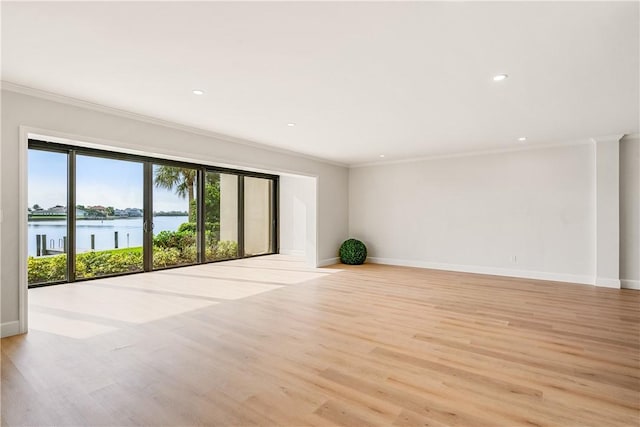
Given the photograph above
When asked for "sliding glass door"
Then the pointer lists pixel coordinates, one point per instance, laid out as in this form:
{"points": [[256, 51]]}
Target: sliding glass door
{"points": [[258, 216], [108, 216], [95, 213], [175, 216], [221, 216], [47, 217]]}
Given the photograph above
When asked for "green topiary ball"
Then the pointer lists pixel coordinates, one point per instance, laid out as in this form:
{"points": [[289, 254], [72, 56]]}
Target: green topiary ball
{"points": [[353, 252]]}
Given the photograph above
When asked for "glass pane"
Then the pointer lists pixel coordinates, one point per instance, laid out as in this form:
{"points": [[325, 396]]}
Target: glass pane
{"points": [[47, 217], [108, 216], [221, 216], [257, 216], [174, 216]]}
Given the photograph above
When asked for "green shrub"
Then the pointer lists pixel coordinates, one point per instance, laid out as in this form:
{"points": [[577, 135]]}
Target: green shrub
{"points": [[174, 239], [165, 257], [193, 228], [88, 264], [100, 263], [226, 249], [170, 248], [188, 226], [163, 239], [46, 269], [184, 242], [353, 252], [188, 254]]}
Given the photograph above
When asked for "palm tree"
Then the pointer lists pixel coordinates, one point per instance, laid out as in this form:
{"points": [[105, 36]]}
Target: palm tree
{"points": [[182, 180]]}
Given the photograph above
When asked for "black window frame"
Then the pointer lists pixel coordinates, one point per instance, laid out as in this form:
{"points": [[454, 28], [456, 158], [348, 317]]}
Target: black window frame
{"points": [[148, 161]]}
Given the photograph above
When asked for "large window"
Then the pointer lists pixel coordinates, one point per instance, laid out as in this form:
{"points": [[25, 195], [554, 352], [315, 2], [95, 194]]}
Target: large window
{"points": [[221, 216], [175, 214], [108, 225], [134, 213], [47, 217], [258, 216]]}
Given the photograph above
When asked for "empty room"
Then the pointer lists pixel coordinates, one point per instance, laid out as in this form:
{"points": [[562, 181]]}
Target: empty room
{"points": [[320, 213]]}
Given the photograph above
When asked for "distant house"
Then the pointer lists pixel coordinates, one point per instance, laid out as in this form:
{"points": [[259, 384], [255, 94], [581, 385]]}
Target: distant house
{"points": [[98, 209], [58, 209], [133, 212], [55, 212]]}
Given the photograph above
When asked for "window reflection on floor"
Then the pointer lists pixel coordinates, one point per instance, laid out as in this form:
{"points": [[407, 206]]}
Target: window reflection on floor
{"points": [[86, 309]]}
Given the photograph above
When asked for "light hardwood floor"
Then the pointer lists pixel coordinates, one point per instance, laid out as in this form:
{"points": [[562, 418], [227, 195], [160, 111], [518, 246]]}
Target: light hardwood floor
{"points": [[268, 342]]}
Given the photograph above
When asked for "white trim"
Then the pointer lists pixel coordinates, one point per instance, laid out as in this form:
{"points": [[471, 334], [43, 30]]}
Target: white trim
{"points": [[327, 261], [495, 271], [608, 138], [292, 252], [62, 99], [23, 294], [316, 258], [8, 329], [631, 137], [1, 221], [594, 229], [481, 152], [630, 284], [608, 282]]}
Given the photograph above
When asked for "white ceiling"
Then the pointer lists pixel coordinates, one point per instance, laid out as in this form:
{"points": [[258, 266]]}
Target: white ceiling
{"points": [[359, 79]]}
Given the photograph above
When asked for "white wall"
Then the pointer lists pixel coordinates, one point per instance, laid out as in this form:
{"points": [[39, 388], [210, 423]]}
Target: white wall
{"points": [[297, 216], [630, 212], [125, 131], [476, 213]]}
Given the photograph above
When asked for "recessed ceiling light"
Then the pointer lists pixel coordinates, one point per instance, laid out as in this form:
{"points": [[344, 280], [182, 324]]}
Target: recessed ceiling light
{"points": [[522, 138], [198, 92], [499, 77], [291, 124], [382, 156]]}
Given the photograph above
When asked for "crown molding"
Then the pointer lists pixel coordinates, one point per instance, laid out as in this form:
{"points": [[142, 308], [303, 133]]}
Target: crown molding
{"points": [[631, 137], [75, 102], [478, 153], [607, 138]]}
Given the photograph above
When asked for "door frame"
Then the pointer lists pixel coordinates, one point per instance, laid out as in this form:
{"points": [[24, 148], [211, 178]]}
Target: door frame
{"points": [[113, 150]]}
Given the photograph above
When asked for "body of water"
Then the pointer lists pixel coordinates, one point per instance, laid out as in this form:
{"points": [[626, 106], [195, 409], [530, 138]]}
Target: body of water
{"points": [[129, 232]]}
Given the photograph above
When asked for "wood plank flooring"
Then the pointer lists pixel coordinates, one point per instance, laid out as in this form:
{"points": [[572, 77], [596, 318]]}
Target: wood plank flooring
{"points": [[267, 341]]}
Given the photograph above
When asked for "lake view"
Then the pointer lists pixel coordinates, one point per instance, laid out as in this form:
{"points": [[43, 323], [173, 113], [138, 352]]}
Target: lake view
{"points": [[129, 232]]}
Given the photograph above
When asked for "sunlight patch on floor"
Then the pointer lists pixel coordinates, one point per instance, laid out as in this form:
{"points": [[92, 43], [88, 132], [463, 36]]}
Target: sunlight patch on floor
{"points": [[191, 282], [72, 328], [85, 309], [117, 303]]}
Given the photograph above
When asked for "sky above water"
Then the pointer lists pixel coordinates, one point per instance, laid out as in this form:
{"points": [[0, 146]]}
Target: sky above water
{"points": [[99, 181]]}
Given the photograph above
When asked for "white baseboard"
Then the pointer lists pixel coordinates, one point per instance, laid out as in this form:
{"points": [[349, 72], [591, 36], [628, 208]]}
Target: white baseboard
{"points": [[292, 252], [8, 329], [525, 274], [607, 282], [327, 261], [630, 284]]}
